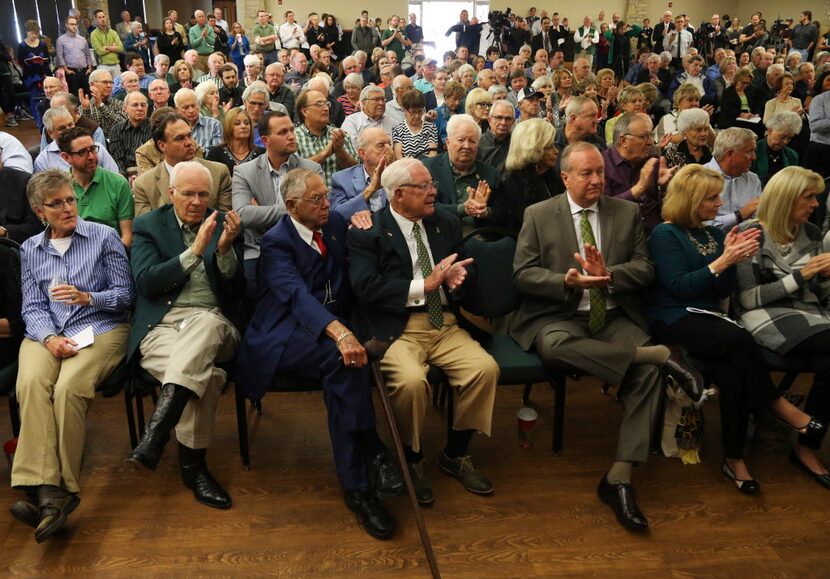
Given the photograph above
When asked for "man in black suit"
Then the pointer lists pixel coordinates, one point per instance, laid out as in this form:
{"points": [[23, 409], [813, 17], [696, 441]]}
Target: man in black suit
{"points": [[543, 39], [405, 274], [663, 27]]}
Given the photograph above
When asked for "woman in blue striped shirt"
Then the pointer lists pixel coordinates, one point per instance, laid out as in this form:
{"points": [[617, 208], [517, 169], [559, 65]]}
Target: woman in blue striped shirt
{"points": [[77, 292]]}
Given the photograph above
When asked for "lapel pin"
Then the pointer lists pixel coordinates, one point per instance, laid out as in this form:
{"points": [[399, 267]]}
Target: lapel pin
{"points": [[389, 233]]}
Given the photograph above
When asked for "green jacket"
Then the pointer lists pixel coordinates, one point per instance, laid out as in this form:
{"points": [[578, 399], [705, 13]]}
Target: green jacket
{"points": [[158, 273], [203, 46], [760, 166], [441, 170]]}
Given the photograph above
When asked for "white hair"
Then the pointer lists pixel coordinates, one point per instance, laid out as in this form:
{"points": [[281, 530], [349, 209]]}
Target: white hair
{"points": [[353, 79], [692, 119], [202, 90], [184, 166], [184, 92], [457, 121], [251, 60], [161, 58], [731, 139], [786, 121], [369, 90], [53, 114], [398, 173]]}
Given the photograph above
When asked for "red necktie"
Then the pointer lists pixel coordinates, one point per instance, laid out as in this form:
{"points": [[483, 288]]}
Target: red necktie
{"points": [[318, 239]]}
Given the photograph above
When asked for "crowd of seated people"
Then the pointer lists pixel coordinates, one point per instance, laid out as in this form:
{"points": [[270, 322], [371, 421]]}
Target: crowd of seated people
{"points": [[275, 199]]}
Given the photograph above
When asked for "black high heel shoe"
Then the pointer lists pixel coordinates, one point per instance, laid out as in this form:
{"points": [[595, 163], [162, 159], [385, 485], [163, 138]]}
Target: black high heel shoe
{"points": [[822, 479], [746, 486], [814, 426]]}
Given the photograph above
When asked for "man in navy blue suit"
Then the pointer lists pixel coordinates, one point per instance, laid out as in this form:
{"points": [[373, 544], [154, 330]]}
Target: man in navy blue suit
{"points": [[358, 189], [298, 329]]}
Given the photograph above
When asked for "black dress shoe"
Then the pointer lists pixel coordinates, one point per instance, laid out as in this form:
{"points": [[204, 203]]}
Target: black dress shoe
{"points": [[371, 514], [822, 479], [197, 477], [620, 497], [684, 373], [385, 476], [26, 512], [56, 505], [169, 408], [746, 486]]}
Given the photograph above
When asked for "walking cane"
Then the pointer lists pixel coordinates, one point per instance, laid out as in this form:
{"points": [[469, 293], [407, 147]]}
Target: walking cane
{"points": [[396, 439]]}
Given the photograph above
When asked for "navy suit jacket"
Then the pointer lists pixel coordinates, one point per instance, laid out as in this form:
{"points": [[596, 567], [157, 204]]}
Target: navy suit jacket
{"points": [[292, 289], [380, 268], [347, 192]]}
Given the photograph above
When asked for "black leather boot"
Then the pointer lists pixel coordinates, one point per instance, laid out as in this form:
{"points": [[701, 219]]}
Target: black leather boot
{"points": [[169, 407], [197, 478]]}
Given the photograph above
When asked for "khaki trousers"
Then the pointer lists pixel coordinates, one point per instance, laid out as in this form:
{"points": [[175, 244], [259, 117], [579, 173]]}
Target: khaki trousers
{"points": [[55, 395], [470, 370], [182, 349]]}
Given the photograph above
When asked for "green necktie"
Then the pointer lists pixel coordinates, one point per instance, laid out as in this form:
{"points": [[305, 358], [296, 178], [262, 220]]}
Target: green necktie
{"points": [[434, 312], [596, 297]]}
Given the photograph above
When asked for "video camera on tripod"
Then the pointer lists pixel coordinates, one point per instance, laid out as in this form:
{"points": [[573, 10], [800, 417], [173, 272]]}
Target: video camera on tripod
{"points": [[499, 22]]}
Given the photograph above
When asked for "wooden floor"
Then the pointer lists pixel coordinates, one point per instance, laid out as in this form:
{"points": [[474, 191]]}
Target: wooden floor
{"points": [[544, 519]]}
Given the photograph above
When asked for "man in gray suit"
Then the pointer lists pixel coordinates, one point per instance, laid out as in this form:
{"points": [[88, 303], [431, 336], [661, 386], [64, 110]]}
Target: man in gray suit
{"points": [[256, 186], [582, 266], [172, 136]]}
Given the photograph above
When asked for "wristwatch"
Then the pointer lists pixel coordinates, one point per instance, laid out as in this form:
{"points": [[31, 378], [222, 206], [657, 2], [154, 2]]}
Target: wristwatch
{"points": [[47, 338], [738, 217]]}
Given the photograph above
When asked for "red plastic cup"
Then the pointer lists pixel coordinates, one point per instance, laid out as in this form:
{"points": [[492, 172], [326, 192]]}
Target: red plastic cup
{"points": [[526, 422], [9, 448]]}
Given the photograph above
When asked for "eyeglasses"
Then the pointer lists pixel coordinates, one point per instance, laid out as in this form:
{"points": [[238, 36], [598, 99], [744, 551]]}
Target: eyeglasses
{"points": [[503, 119], [645, 137], [415, 111], [376, 99], [316, 200], [422, 187], [483, 105], [59, 204], [84, 152], [255, 104], [320, 104]]}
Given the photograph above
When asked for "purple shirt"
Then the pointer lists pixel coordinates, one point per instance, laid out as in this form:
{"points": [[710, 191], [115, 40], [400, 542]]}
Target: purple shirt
{"points": [[72, 51], [621, 175]]}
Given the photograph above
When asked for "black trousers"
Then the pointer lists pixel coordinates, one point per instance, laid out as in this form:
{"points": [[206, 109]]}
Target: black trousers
{"points": [[78, 80], [817, 349], [735, 364]]}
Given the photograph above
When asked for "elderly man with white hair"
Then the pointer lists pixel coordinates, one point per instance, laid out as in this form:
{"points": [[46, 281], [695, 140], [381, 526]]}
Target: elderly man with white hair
{"points": [[207, 132], [161, 67], [132, 133], [55, 121], [214, 62], [495, 142], [404, 271], [732, 158], [159, 93], [99, 105], [202, 38], [187, 266], [372, 113], [277, 91], [463, 182], [135, 64], [191, 57]]}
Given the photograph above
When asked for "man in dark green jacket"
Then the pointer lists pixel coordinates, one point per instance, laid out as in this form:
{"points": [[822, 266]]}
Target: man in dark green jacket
{"points": [[457, 174], [187, 265]]}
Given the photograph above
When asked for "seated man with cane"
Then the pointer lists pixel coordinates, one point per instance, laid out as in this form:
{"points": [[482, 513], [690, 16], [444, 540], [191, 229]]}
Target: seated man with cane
{"points": [[404, 272], [299, 329]]}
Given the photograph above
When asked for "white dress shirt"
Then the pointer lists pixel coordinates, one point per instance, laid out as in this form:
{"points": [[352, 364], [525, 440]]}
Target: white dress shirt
{"points": [[593, 219], [417, 295], [306, 234]]}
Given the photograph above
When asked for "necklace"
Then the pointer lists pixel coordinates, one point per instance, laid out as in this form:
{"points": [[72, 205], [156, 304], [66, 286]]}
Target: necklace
{"points": [[711, 246], [784, 248]]}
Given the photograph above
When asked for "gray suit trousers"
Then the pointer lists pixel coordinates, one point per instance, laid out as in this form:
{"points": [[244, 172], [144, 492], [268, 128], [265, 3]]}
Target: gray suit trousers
{"points": [[608, 355]]}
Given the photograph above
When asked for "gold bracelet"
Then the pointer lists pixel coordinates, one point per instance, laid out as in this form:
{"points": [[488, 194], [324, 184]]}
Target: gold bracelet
{"points": [[342, 337]]}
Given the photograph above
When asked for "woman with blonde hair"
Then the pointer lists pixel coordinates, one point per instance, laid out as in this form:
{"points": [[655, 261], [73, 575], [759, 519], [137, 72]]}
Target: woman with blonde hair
{"points": [[687, 96], [477, 105], [695, 269], [631, 100], [183, 73], [563, 86], [237, 145], [782, 297], [530, 176]]}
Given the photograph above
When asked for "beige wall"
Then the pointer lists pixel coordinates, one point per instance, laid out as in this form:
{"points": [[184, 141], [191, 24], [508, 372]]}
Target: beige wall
{"points": [[698, 9], [346, 12], [772, 8]]}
